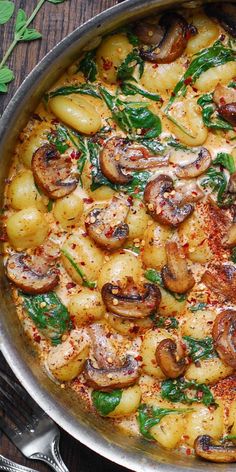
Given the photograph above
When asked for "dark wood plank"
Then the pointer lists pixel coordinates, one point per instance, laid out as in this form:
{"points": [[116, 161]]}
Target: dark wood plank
{"points": [[54, 22]]}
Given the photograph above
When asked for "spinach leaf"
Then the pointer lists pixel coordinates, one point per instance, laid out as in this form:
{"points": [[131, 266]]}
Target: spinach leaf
{"points": [[135, 187], [149, 416], [88, 66], [152, 145], [232, 84], [177, 391], [50, 205], [106, 402], [168, 323], [233, 255], [131, 89], [226, 160], [210, 117], [86, 282], [127, 67], [133, 39], [132, 116], [134, 249], [49, 315], [59, 138], [200, 348], [213, 56], [83, 89], [155, 277], [175, 144], [198, 306], [228, 437], [216, 180]]}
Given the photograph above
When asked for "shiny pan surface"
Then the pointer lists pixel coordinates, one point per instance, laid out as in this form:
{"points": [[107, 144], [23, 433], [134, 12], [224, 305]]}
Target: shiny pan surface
{"points": [[62, 405]]}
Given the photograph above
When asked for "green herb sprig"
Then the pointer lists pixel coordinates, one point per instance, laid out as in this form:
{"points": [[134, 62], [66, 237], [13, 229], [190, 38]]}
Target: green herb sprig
{"points": [[22, 32]]}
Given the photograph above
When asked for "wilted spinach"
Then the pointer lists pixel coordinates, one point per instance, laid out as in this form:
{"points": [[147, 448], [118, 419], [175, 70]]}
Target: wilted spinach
{"points": [[149, 416], [186, 391], [106, 402], [127, 67], [49, 315], [155, 277], [132, 89], [225, 160], [88, 66], [82, 89], [210, 117], [200, 348]]}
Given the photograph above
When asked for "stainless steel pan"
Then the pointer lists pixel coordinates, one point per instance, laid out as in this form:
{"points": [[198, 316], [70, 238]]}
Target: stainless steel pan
{"points": [[63, 406]]}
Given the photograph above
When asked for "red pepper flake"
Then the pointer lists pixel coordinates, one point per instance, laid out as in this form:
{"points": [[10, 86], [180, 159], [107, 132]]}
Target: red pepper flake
{"points": [[138, 358], [155, 66], [73, 246], [107, 65], [88, 200], [188, 452], [188, 80], [82, 263], [70, 285], [130, 200], [109, 232], [37, 338]]}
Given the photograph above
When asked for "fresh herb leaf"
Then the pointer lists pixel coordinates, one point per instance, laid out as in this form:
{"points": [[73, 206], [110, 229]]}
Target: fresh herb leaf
{"points": [[175, 144], [213, 56], [127, 67], [232, 84], [56, 1], [106, 402], [134, 249], [6, 76], [86, 282], [198, 306], [21, 19], [49, 315], [6, 11], [217, 181], [228, 437], [210, 117], [233, 255], [59, 138], [226, 160], [149, 416], [30, 34], [155, 277], [131, 89], [200, 348], [88, 66], [132, 116], [168, 323], [186, 391], [83, 89], [137, 185], [154, 146]]}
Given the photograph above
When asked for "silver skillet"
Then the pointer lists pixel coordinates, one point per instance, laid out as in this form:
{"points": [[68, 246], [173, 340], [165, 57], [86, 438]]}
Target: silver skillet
{"points": [[63, 406]]}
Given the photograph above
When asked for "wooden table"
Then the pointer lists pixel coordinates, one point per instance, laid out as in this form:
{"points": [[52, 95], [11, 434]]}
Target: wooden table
{"points": [[54, 22]]}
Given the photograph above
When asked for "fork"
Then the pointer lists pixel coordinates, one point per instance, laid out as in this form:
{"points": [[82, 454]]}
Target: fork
{"points": [[9, 466], [27, 425]]}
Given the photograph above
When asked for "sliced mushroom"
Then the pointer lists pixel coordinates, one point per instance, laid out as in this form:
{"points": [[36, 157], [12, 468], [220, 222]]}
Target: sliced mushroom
{"points": [[118, 157], [131, 302], [172, 44], [228, 112], [221, 279], [224, 95], [205, 448], [176, 275], [108, 379], [225, 13], [107, 226], [223, 333], [52, 172], [149, 31], [102, 346], [171, 359], [30, 279], [197, 167], [163, 204]]}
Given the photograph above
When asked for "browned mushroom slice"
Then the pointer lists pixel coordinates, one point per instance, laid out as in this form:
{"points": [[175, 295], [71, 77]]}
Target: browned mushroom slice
{"points": [[52, 172], [224, 95], [225, 13], [175, 275], [118, 157], [205, 448], [21, 271], [221, 279], [107, 226], [163, 204], [116, 377], [149, 31], [173, 42], [171, 360], [223, 333], [228, 112], [197, 167], [131, 302]]}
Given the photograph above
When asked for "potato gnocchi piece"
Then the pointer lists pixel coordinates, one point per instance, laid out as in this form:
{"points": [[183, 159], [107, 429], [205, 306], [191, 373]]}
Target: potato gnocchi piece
{"points": [[207, 33], [27, 228], [22, 192], [204, 421], [198, 324], [161, 78], [129, 402], [154, 253], [188, 113], [68, 210], [66, 360], [119, 267], [209, 371], [150, 342], [110, 54], [193, 233], [221, 74], [86, 307]]}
